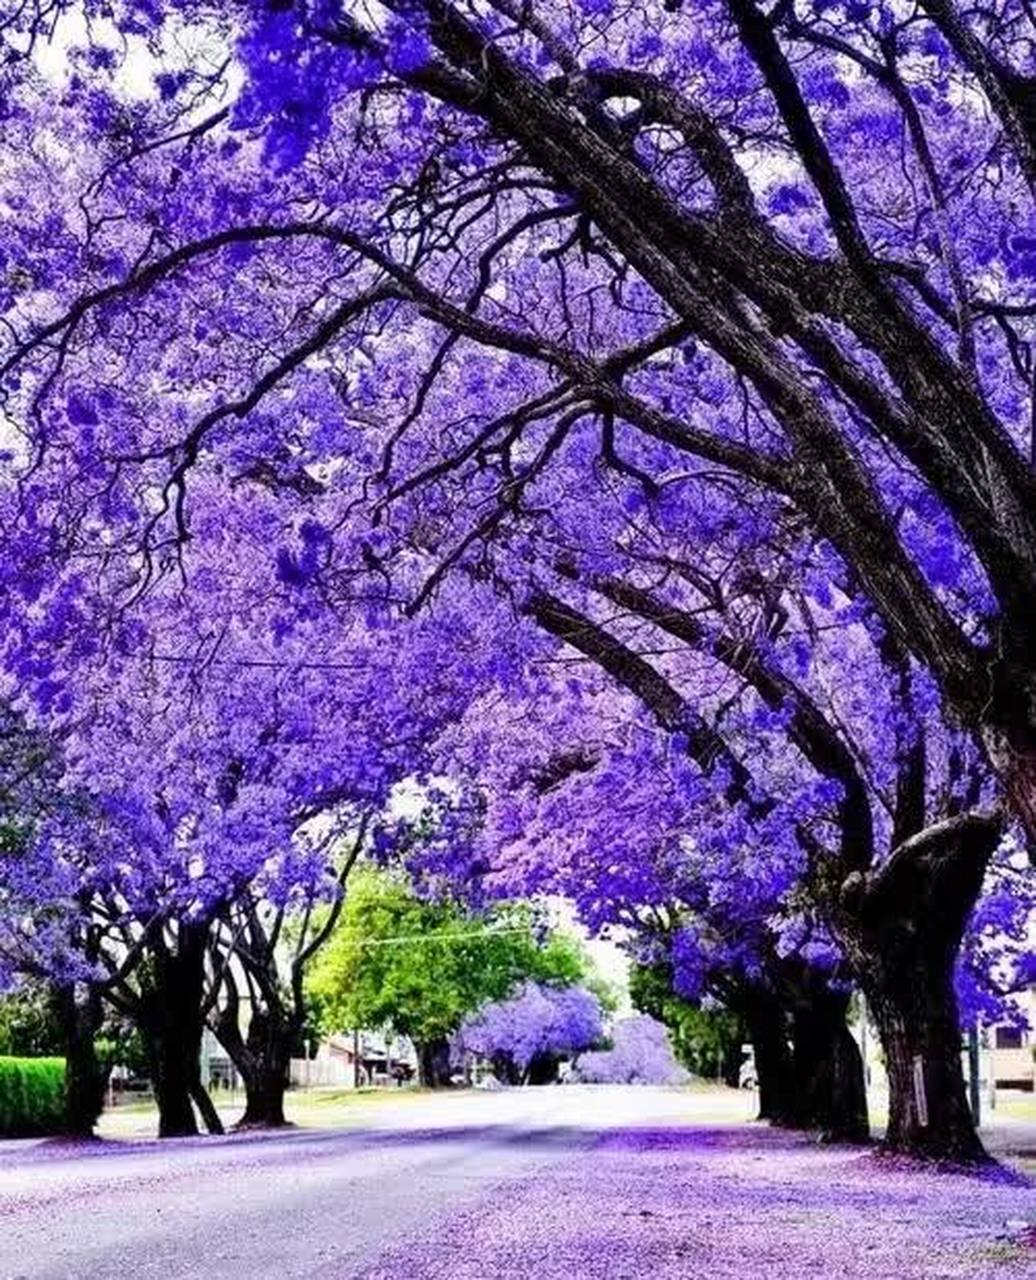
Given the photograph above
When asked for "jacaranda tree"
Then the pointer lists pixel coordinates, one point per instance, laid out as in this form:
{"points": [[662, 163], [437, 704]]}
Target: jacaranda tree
{"points": [[493, 309], [526, 1035]]}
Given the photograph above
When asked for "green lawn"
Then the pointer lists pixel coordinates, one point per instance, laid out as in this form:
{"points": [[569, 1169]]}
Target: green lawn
{"points": [[1017, 1106], [313, 1108]]}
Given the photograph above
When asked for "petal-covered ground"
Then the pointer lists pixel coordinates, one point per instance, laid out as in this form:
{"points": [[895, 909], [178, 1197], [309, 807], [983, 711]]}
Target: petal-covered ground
{"points": [[585, 1183], [730, 1203]]}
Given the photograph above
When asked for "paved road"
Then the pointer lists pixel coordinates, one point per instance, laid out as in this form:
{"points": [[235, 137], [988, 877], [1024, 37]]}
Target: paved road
{"points": [[298, 1203], [575, 1183]]}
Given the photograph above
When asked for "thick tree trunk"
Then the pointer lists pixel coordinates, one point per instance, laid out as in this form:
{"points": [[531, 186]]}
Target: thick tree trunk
{"points": [[433, 1063], [831, 1094], [81, 1013], [808, 1067], [264, 1101], [262, 1059], [902, 930], [173, 1067], [266, 1073], [917, 1020], [171, 1020], [768, 1033], [543, 1069]]}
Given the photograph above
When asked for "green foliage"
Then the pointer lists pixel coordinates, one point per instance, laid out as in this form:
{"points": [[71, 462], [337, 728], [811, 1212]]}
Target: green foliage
{"points": [[606, 992], [705, 1041], [419, 967], [28, 1025], [32, 1096], [30, 1028], [120, 1043], [559, 959]]}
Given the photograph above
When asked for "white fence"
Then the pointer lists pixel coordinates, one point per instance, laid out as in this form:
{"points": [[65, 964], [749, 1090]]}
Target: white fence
{"points": [[307, 1073]]}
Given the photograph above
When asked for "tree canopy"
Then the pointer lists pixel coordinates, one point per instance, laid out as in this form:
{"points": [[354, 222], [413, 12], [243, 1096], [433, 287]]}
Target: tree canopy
{"points": [[419, 967]]}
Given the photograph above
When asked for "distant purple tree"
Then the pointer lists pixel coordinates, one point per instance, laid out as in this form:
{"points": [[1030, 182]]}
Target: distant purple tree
{"points": [[640, 1054], [526, 1035]]}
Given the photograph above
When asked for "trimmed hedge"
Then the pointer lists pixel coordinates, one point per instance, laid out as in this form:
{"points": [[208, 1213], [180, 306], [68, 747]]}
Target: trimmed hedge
{"points": [[32, 1096]]}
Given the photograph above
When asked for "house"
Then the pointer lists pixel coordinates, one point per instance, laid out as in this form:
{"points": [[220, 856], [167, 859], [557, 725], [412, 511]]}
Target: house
{"points": [[356, 1060], [1014, 1050]]}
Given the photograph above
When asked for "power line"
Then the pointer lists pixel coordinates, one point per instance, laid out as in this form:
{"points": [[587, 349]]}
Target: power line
{"points": [[361, 944]]}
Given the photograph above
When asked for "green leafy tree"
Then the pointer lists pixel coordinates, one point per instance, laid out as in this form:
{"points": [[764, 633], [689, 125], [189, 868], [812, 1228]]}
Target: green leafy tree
{"points": [[29, 1027], [417, 967]]}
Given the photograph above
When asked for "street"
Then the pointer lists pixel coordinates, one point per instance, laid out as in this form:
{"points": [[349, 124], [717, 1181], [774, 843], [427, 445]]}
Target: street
{"points": [[554, 1182]]}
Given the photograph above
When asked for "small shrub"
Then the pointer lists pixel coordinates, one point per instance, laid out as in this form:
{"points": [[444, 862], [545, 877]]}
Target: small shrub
{"points": [[32, 1096]]}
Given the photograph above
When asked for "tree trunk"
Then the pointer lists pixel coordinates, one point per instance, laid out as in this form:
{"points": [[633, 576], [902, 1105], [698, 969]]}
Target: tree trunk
{"points": [[902, 930], [172, 1077], [171, 1020], [262, 1059], [433, 1063], [206, 1107], [266, 1079], [81, 1013], [543, 1069], [768, 1033], [831, 1095], [918, 1023], [264, 1102], [506, 1069]]}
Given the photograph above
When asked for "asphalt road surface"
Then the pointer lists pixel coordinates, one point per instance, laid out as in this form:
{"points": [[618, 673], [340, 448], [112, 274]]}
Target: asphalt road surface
{"points": [[563, 1182]]}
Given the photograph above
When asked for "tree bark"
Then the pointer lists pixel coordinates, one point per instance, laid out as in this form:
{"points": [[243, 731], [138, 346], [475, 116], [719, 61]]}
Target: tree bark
{"points": [[808, 1066], [768, 1034], [206, 1107], [902, 930], [262, 1057], [264, 1101], [172, 1070], [433, 1063], [919, 1027], [543, 1069], [81, 1013], [830, 1090], [172, 1022]]}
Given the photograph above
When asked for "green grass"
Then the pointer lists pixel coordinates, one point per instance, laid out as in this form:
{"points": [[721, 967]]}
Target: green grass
{"points": [[331, 1095], [311, 1108], [1017, 1106]]}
